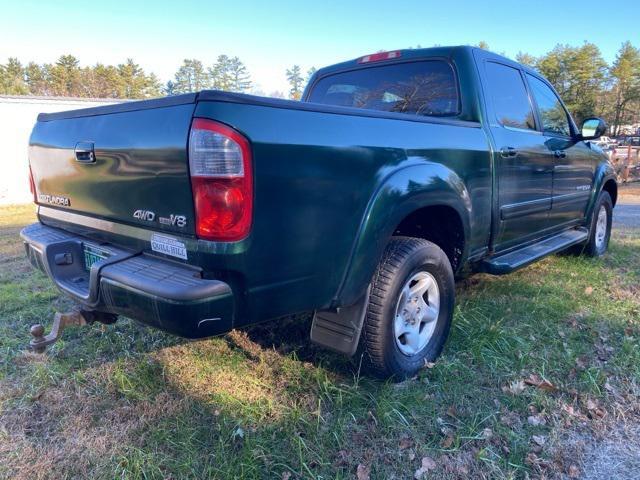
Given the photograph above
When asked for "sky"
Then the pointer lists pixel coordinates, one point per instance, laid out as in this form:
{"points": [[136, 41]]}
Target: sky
{"points": [[270, 36]]}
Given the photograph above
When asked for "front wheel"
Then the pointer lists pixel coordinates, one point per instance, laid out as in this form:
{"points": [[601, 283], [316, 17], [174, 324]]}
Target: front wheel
{"points": [[600, 228], [410, 308]]}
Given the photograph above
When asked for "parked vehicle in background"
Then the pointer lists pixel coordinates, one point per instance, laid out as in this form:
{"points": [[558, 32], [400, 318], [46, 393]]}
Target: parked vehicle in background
{"points": [[396, 172], [606, 142], [633, 140]]}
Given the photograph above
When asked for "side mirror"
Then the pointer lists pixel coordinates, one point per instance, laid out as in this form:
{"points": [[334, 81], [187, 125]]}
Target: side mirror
{"points": [[593, 128]]}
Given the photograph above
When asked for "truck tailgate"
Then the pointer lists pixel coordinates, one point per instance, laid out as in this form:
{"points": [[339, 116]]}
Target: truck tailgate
{"points": [[125, 163]]}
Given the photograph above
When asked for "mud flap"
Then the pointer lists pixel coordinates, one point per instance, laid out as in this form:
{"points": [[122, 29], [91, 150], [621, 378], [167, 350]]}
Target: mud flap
{"points": [[340, 329]]}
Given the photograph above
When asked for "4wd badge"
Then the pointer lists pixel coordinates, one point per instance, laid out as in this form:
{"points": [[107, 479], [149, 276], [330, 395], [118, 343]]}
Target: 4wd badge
{"points": [[147, 215]]}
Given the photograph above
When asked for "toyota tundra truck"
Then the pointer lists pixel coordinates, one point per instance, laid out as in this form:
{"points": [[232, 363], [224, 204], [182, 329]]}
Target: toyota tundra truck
{"points": [[396, 173]]}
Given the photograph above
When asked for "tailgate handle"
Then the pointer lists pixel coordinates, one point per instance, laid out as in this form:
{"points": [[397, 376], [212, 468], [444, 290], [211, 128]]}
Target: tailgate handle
{"points": [[85, 153]]}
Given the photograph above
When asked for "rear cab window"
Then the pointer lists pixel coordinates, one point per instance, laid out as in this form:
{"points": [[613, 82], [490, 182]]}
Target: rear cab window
{"points": [[426, 88]]}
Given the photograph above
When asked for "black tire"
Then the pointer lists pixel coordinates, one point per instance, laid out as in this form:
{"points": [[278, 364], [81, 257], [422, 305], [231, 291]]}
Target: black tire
{"points": [[403, 258], [592, 247]]}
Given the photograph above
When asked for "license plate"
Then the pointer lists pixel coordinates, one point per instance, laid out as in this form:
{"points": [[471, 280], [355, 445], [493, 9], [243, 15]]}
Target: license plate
{"points": [[93, 255]]}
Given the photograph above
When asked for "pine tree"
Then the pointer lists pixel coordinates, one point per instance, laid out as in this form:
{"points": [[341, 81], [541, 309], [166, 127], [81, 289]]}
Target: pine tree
{"points": [[66, 77], [134, 83], [240, 78], [220, 74], [102, 81], [12, 78], [625, 74], [190, 77], [310, 73], [526, 59], [38, 78], [578, 74], [170, 88], [294, 77]]}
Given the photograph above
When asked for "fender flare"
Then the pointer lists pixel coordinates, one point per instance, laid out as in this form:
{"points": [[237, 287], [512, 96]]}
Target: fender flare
{"points": [[400, 193], [603, 174]]}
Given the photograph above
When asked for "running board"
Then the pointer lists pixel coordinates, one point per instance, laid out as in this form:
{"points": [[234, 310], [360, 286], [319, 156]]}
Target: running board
{"points": [[522, 257]]}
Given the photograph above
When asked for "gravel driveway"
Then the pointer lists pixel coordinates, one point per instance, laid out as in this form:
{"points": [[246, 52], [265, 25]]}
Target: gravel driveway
{"points": [[626, 216]]}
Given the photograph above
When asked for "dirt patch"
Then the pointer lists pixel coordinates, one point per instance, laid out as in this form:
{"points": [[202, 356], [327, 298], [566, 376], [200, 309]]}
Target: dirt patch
{"points": [[610, 453]]}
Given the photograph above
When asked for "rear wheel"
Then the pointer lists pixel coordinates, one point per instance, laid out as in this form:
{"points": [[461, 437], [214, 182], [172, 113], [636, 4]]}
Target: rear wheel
{"points": [[410, 308]]}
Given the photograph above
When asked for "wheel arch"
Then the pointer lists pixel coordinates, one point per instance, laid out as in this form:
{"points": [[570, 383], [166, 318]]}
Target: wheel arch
{"points": [[604, 180], [405, 198]]}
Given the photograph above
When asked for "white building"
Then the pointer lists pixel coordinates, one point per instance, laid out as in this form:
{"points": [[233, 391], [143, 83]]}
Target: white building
{"points": [[17, 116]]}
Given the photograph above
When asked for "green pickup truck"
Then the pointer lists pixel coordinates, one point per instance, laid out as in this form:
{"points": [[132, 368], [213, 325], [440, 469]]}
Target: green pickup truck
{"points": [[395, 174]]}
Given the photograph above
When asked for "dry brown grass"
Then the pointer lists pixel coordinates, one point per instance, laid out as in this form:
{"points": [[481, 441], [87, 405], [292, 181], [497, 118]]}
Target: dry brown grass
{"points": [[629, 192]]}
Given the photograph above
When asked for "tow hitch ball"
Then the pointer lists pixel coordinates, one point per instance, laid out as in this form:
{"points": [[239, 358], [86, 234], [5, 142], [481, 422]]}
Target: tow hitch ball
{"points": [[40, 341]]}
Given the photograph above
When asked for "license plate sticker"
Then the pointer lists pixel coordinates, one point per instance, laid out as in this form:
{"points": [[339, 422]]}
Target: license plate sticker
{"points": [[168, 245], [92, 255]]}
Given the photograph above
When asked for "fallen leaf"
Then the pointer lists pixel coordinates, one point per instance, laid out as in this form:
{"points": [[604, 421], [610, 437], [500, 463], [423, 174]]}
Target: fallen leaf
{"points": [[510, 419], [405, 443], [429, 364], [539, 440], [452, 412], [588, 290], [542, 383], [342, 458], [574, 471], [427, 464], [447, 442], [515, 388], [536, 420], [363, 472], [238, 433], [581, 362]]}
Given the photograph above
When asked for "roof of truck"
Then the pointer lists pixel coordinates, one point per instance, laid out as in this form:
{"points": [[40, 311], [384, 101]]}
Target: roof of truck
{"points": [[415, 53]]}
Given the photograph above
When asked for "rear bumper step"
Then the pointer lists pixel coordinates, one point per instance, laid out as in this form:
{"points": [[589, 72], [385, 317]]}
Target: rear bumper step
{"points": [[522, 257], [164, 294]]}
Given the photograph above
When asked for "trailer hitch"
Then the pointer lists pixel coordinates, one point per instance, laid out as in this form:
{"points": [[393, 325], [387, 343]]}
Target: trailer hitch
{"points": [[73, 318]]}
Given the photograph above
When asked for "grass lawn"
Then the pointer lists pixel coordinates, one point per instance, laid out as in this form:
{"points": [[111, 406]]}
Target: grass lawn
{"points": [[540, 375]]}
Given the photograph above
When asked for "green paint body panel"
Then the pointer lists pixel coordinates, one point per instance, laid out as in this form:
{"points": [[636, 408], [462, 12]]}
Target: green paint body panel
{"points": [[331, 185]]}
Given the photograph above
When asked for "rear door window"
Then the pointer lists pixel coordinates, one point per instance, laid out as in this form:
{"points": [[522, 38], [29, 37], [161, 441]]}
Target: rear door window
{"points": [[418, 88], [509, 96]]}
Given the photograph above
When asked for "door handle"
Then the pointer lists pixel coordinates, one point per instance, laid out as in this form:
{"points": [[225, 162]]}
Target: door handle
{"points": [[85, 152], [560, 154], [506, 152]]}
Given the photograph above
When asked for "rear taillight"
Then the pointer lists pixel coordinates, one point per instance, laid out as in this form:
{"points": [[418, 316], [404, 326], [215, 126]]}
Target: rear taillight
{"points": [[32, 185], [221, 179]]}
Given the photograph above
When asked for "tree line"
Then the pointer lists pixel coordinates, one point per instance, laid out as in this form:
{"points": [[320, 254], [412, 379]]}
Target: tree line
{"points": [[584, 80], [589, 86], [66, 78]]}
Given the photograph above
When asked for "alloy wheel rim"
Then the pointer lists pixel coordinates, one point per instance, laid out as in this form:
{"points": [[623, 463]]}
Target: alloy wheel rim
{"points": [[601, 227], [416, 313]]}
